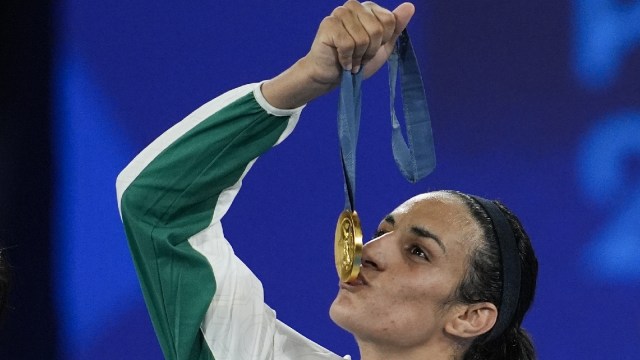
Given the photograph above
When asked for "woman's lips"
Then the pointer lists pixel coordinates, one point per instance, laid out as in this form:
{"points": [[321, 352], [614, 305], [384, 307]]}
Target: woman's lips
{"points": [[357, 282]]}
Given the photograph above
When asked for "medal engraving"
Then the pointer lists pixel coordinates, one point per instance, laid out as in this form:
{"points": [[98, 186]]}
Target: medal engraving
{"points": [[348, 246]]}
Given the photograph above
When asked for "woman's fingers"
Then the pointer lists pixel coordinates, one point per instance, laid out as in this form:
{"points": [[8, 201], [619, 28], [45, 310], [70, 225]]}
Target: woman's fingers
{"points": [[367, 27]]}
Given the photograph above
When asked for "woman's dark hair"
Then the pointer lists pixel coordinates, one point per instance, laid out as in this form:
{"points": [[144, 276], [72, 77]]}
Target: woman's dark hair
{"points": [[483, 282]]}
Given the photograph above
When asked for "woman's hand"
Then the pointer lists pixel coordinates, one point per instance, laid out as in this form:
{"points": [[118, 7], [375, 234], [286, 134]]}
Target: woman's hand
{"points": [[354, 35]]}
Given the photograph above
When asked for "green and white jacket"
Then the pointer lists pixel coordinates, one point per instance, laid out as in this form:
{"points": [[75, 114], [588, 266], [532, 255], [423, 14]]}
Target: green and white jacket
{"points": [[203, 301]]}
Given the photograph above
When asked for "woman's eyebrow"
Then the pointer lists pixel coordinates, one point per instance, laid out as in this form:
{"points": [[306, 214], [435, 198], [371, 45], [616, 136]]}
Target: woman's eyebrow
{"points": [[390, 219], [422, 232], [419, 231]]}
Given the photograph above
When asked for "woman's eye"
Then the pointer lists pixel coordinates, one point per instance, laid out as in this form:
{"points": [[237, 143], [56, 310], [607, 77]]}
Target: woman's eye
{"points": [[417, 251]]}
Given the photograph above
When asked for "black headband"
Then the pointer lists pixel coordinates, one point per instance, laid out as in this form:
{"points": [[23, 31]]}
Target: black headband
{"points": [[510, 259]]}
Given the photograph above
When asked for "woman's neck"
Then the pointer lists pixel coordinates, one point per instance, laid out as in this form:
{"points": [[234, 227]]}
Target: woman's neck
{"points": [[435, 350]]}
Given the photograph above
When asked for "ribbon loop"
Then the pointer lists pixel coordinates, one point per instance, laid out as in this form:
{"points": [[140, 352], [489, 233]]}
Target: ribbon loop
{"points": [[415, 159]]}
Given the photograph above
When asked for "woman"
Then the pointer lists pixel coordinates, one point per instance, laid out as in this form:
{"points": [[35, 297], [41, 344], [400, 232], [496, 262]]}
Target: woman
{"points": [[434, 283]]}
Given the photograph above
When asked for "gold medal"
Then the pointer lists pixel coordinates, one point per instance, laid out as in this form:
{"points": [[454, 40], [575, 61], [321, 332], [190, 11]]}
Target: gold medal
{"points": [[348, 246]]}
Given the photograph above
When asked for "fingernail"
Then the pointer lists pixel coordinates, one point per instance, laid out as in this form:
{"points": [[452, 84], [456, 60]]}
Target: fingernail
{"points": [[356, 69]]}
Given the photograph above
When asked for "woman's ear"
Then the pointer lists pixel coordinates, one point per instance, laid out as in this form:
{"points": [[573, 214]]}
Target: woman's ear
{"points": [[471, 320]]}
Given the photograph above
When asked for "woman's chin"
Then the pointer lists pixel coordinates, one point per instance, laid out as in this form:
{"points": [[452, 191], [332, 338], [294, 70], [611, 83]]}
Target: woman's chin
{"points": [[341, 312]]}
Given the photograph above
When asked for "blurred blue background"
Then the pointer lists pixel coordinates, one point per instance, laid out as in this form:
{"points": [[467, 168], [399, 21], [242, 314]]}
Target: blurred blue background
{"points": [[533, 103]]}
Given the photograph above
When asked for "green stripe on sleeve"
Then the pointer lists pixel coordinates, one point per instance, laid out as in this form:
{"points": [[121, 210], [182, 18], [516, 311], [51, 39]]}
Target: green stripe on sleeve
{"points": [[173, 199]]}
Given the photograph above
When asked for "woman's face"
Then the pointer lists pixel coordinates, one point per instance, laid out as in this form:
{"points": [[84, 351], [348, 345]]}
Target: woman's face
{"points": [[409, 272]]}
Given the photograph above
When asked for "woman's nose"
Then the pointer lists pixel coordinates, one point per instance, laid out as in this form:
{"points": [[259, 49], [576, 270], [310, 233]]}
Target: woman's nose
{"points": [[374, 255]]}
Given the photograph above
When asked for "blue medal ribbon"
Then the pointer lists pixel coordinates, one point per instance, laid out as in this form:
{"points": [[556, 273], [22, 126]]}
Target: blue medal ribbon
{"points": [[348, 128], [417, 158]]}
